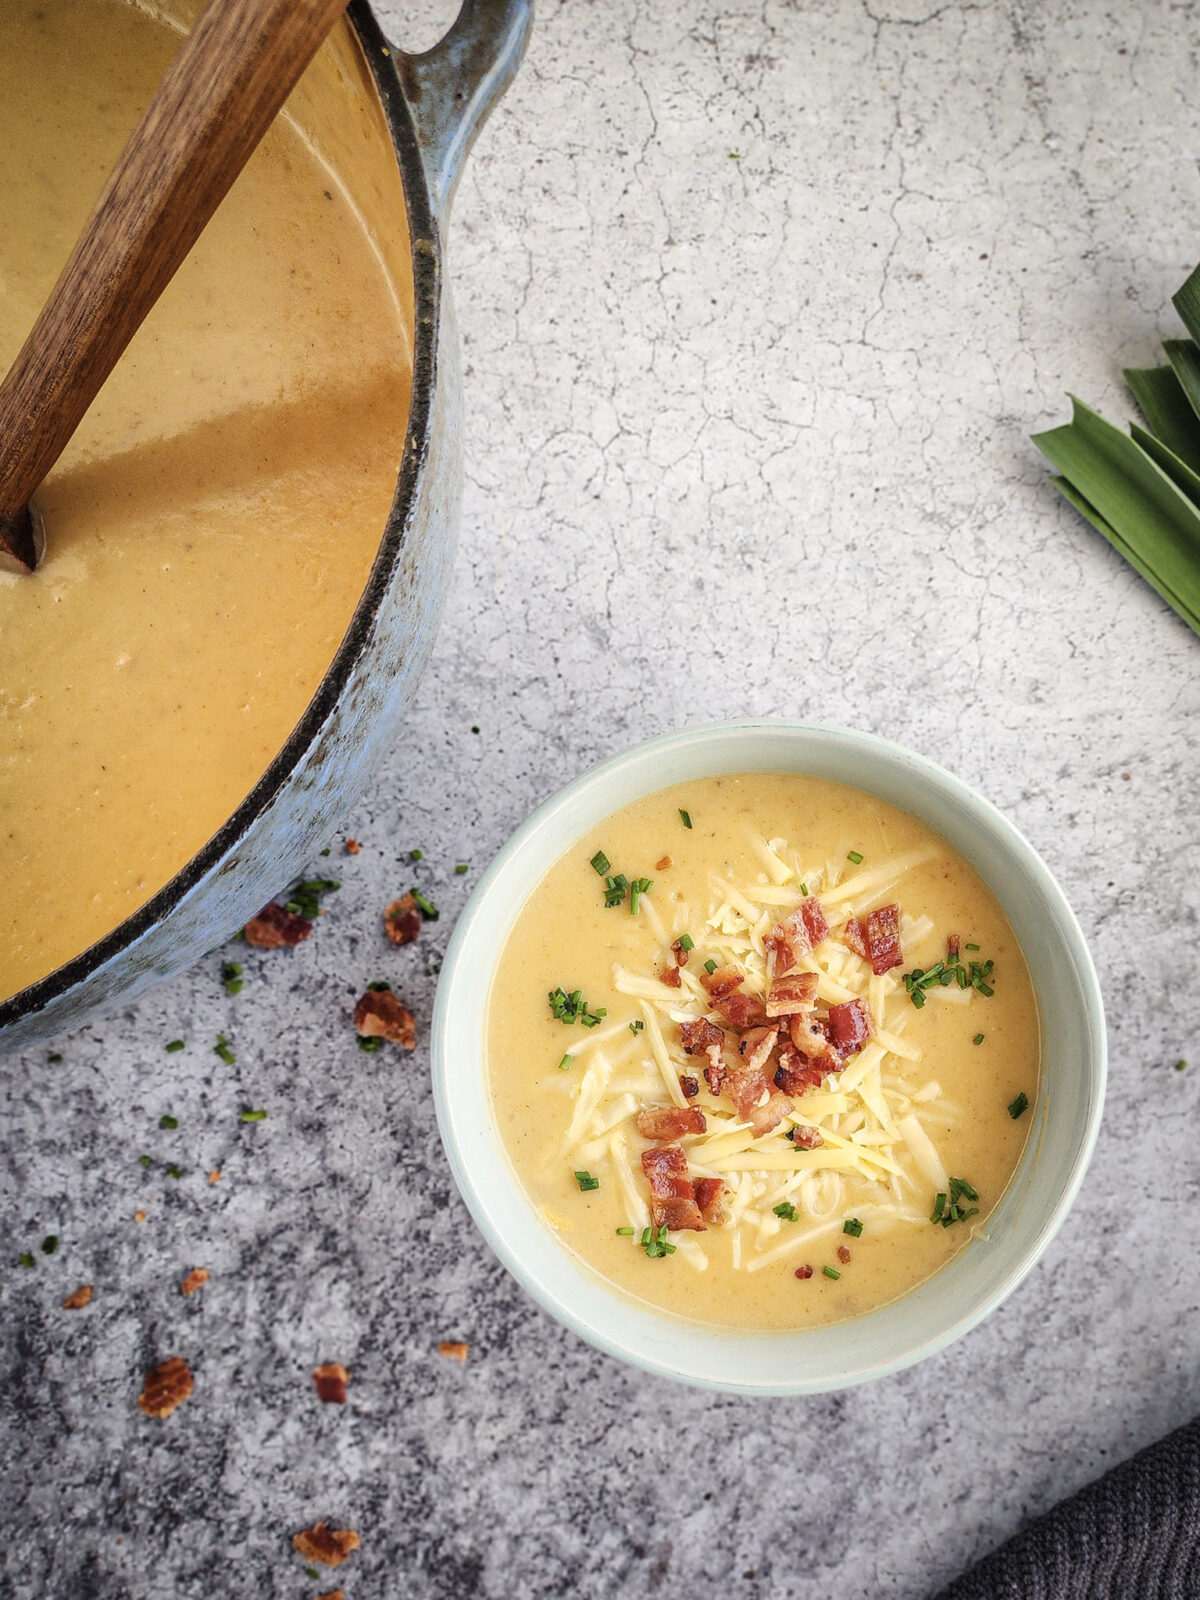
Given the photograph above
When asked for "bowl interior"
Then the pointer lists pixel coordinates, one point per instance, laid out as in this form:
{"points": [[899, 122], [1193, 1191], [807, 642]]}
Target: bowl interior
{"points": [[1066, 1113]]}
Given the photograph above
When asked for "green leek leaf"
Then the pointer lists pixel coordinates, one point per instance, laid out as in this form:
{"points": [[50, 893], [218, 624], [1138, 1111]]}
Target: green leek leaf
{"points": [[1069, 492], [1181, 474], [1187, 303], [1165, 406], [1185, 362]]}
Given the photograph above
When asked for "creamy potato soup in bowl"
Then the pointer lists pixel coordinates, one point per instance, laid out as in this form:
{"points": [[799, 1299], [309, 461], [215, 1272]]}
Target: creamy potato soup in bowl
{"points": [[768, 1056]]}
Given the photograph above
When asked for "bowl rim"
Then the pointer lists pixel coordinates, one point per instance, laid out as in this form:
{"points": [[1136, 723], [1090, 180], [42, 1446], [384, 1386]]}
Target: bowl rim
{"points": [[454, 971]]}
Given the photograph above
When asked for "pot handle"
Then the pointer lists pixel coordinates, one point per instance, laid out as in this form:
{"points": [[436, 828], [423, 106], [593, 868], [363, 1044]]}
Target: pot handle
{"points": [[452, 88]]}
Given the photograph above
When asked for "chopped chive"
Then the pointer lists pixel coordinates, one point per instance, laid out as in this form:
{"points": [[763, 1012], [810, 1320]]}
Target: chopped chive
{"points": [[786, 1210], [586, 1181], [856, 857], [231, 976], [462, 868], [474, 729], [370, 1043], [710, 966], [416, 855], [428, 911], [959, 1187], [565, 1062], [804, 888], [626, 1233], [685, 817], [637, 888], [1181, 1066], [174, 1046], [54, 1058], [939, 1206], [686, 942], [853, 1227], [254, 1116], [147, 1161], [222, 1049], [379, 985], [831, 1272], [1019, 1106], [601, 864], [168, 1121], [49, 1244], [174, 1172], [328, 850], [970, 947], [313, 1572], [978, 1039], [25, 1258], [636, 1026]]}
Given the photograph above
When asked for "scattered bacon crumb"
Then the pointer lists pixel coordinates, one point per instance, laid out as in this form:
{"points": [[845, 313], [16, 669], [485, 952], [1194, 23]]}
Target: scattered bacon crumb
{"points": [[196, 1279], [797, 935], [708, 1198], [689, 1085], [671, 1122], [805, 1138], [814, 921], [139, 1216], [672, 1198], [78, 1298], [953, 944], [843, 1252], [722, 981], [740, 1010], [329, 1546], [273, 927], [167, 1386], [854, 937], [663, 864], [715, 1073], [331, 1381], [402, 920], [681, 955], [454, 1349], [788, 995], [811, 1039], [214, 1176], [850, 1026], [333, 1594], [756, 1046], [671, 978], [796, 1075], [756, 1102], [352, 847], [883, 939], [380, 1015], [804, 1272], [699, 1035]]}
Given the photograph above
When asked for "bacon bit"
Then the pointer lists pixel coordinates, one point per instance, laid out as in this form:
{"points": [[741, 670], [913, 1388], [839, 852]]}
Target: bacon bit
{"points": [[795, 1075], [883, 939], [715, 1073], [708, 1198], [672, 1197], [352, 847], [786, 996], [681, 955], [756, 1046], [843, 1252], [689, 1085], [747, 1087], [168, 1385], [811, 1038], [139, 1216], [952, 945], [814, 921], [850, 1026], [454, 1349], [671, 1122], [330, 1382], [671, 978], [722, 981], [699, 1036], [854, 937], [663, 864], [741, 1010], [214, 1176], [274, 927], [333, 1594], [196, 1279], [806, 1138], [329, 1546], [804, 1272], [379, 1015], [402, 920], [78, 1298], [786, 943]]}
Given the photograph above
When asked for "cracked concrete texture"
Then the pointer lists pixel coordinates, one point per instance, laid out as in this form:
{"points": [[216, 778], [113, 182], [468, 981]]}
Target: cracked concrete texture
{"points": [[759, 309]]}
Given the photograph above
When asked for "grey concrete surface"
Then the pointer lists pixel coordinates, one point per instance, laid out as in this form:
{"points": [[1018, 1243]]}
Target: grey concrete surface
{"points": [[760, 305]]}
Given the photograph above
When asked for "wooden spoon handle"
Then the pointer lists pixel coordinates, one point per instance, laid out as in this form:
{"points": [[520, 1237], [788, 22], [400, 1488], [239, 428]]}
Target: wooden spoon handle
{"points": [[235, 70]]}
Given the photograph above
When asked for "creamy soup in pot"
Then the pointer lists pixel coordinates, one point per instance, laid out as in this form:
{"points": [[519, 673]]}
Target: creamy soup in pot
{"points": [[763, 1051], [211, 526]]}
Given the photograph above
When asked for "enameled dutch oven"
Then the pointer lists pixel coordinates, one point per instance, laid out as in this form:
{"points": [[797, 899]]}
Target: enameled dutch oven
{"points": [[433, 105]]}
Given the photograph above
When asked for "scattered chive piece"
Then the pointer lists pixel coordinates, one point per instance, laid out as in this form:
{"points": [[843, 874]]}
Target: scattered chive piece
{"points": [[831, 1272], [54, 1058], [147, 1161], [474, 729], [565, 1062], [174, 1172], [1019, 1106], [254, 1116], [328, 850], [626, 1233], [614, 889], [462, 869], [637, 888], [804, 888], [174, 1046], [379, 986], [568, 1008], [686, 942], [786, 1210], [49, 1244], [636, 1026], [978, 1039], [959, 1187], [231, 976], [970, 947], [221, 1048], [428, 911], [654, 1242], [586, 1181], [25, 1258], [856, 857], [853, 1227], [939, 1206], [601, 864], [1181, 1066], [685, 817], [710, 966], [312, 1572], [416, 855], [370, 1043], [305, 899], [168, 1121]]}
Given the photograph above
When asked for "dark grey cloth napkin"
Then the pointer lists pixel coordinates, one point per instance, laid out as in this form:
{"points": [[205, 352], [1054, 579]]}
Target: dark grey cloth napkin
{"points": [[1132, 1535]]}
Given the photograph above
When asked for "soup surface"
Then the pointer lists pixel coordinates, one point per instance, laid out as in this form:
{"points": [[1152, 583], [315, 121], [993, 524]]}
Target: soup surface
{"points": [[213, 523], [841, 1127]]}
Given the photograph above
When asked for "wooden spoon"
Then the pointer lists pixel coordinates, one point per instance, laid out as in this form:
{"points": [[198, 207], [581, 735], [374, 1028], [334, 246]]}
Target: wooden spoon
{"points": [[236, 68]]}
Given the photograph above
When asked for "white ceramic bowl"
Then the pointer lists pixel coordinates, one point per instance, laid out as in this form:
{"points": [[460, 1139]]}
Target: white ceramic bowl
{"points": [[1066, 1113]]}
